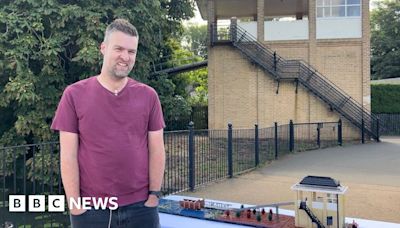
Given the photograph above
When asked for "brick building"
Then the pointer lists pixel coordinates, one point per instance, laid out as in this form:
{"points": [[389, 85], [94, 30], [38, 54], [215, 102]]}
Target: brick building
{"points": [[331, 37]]}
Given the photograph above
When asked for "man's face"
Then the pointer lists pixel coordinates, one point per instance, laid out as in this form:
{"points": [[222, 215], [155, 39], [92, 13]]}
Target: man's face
{"points": [[119, 52]]}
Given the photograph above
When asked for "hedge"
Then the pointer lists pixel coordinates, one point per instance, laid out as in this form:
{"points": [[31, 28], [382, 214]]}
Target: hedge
{"points": [[385, 98]]}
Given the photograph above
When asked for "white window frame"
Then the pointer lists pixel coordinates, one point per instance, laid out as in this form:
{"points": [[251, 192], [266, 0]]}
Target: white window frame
{"points": [[331, 198], [330, 6]]}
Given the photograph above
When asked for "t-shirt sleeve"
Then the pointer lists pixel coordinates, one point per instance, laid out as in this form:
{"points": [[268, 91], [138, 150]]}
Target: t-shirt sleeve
{"points": [[66, 118], [156, 120]]}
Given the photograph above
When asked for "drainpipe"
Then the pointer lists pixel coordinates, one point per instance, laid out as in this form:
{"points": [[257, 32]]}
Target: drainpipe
{"points": [[337, 208]]}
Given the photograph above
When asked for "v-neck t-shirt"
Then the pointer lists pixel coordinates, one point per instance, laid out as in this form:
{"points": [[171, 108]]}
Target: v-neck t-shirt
{"points": [[113, 153]]}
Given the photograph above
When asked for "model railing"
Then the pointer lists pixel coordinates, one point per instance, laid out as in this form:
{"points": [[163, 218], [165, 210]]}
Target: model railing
{"points": [[309, 77]]}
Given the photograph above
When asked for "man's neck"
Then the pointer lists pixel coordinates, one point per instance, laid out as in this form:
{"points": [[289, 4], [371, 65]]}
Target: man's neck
{"points": [[111, 83]]}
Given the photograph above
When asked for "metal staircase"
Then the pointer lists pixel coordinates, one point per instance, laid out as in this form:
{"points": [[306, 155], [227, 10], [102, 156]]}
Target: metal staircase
{"points": [[303, 73], [314, 219]]}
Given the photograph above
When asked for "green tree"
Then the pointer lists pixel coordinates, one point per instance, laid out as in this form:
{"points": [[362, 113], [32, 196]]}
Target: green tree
{"points": [[199, 87], [46, 45], [191, 85], [187, 89], [195, 39], [385, 42]]}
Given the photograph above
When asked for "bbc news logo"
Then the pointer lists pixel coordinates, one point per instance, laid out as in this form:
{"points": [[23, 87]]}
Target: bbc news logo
{"points": [[56, 203]]}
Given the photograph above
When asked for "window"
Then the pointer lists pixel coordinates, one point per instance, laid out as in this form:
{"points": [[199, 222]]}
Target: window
{"points": [[338, 8], [317, 197], [331, 198], [329, 221]]}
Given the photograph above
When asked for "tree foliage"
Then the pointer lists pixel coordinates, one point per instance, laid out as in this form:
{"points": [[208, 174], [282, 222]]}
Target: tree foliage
{"points": [[187, 89], [46, 45], [195, 39], [385, 42]]}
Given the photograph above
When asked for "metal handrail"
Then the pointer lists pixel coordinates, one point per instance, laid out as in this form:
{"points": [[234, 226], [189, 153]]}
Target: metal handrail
{"points": [[321, 86]]}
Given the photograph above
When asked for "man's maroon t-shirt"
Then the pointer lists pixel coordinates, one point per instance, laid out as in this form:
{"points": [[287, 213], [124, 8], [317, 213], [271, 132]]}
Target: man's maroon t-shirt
{"points": [[113, 152]]}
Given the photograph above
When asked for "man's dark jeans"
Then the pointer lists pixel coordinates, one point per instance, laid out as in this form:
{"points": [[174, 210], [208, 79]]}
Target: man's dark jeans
{"points": [[130, 216]]}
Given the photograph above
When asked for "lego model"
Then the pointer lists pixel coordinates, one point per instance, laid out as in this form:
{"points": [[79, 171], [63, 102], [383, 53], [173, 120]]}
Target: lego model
{"points": [[257, 217], [216, 211], [319, 202], [192, 204]]}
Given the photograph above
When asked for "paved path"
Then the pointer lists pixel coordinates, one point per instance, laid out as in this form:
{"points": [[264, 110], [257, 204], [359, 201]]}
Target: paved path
{"points": [[373, 163], [371, 171]]}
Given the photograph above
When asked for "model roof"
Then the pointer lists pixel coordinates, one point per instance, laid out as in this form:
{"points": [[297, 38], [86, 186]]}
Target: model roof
{"points": [[320, 181]]}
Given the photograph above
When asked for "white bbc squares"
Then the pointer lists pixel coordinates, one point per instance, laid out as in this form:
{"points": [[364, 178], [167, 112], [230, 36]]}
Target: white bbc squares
{"points": [[56, 203], [16, 203], [36, 203]]}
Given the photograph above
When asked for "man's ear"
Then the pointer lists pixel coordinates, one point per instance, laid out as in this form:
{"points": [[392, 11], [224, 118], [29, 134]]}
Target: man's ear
{"points": [[102, 47]]}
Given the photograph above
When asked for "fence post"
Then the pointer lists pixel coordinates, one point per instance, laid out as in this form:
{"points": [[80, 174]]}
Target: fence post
{"points": [[276, 140], [192, 163], [230, 159], [256, 148], [319, 135], [233, 29], [212, 34], [340, 136], [362, 131], [291, 136], [377, 130]]}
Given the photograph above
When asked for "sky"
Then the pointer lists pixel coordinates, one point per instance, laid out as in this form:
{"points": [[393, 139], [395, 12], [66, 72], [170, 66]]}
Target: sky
{"points": [[196, 19]]}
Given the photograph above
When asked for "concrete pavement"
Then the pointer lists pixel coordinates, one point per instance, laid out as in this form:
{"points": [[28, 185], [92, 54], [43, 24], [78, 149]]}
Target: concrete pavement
{"points": [[371, 171]]}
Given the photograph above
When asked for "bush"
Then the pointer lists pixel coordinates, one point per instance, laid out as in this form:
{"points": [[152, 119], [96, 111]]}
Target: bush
{"points": [[385, 98]]}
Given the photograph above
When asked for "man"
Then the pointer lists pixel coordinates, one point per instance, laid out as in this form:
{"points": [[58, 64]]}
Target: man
{"points": [[111, 139]]}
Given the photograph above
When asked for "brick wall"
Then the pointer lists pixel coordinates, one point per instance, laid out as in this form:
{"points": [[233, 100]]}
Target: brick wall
{"points": [[241, 93]]}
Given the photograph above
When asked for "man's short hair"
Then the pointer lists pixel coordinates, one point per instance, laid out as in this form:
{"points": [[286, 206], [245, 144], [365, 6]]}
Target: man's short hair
{"points": [[121, 25]]}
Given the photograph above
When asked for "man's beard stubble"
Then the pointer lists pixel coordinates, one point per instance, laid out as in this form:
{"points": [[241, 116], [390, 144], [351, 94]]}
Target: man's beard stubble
{"points": [[119, 73]]}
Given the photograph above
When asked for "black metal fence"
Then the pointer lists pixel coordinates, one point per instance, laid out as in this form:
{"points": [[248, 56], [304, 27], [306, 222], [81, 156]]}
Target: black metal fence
{"points": [[198, 114], [30, 170], [390, 124], [193, 158], [196, 157]]}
